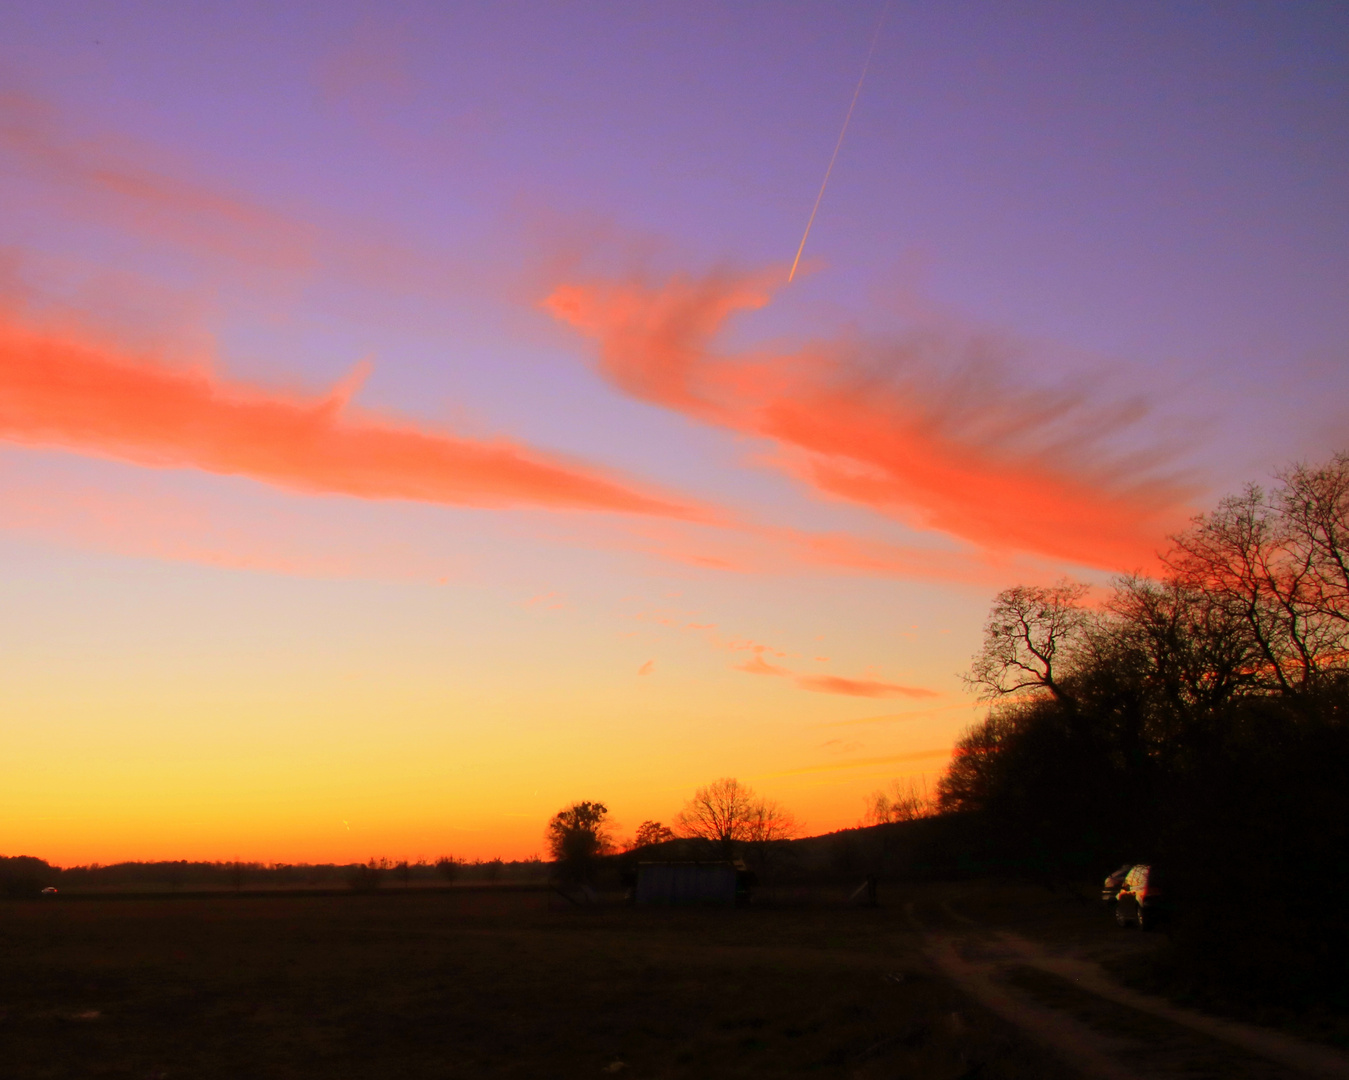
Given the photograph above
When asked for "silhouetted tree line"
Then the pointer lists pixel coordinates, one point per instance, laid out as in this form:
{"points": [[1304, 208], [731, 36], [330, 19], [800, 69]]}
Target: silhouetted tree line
{"points": [[26, 876], [1198, 720], [723, 820]]}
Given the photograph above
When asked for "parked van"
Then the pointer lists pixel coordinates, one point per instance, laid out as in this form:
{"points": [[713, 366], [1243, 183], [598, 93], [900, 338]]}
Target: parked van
{"points": [[1113, 884], [1141, 900]]}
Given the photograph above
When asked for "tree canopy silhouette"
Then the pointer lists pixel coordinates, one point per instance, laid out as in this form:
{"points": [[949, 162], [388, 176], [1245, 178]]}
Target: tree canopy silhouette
{"points": [[577, 836], [729, 819], [1201, 716], [650, 833]]}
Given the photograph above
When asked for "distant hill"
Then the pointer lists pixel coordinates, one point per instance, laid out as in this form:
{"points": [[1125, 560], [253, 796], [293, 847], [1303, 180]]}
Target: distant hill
{"points": [[941, 847]]}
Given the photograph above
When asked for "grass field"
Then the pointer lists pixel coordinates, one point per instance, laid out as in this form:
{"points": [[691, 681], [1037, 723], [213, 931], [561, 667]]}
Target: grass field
{"points": [[480, 982]]}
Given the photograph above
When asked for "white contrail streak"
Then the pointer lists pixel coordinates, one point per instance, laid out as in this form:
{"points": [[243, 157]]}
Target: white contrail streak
{"points": [[875, 35]]}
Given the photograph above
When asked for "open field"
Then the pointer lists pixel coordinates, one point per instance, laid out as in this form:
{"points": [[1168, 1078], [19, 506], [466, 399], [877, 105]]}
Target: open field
{"points": [[478, 983], [473, 982]]}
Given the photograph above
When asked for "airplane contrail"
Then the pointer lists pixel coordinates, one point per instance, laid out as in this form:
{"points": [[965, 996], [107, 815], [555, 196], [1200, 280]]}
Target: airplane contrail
{"points": [[875, 35]]}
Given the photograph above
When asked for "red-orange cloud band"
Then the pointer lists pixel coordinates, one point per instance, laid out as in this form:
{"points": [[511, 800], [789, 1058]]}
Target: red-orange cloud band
{"points": [[1007, 470], [62, 390]]}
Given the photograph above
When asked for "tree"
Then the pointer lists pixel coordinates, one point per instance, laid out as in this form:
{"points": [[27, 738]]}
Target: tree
{"points": [[447, 866], [650, 833], [1187, 650], [726, 815], [1314, 502], [1278, 564], [1227, 663], [719, 815], [367, 877], [25, 875], [577, 836], [974, 775], [903, 800], [1028, 640], [769, 827], [1238, 555]]}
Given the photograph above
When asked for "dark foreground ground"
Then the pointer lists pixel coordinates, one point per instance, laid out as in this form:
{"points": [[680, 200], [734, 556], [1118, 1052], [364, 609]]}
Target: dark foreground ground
{"points": [[494, 983]]}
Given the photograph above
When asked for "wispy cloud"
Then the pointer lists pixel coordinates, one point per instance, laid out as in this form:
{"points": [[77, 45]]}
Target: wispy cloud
{"points": [[734, 545], [931, 429], [109, 178], [145, 521], [822, 684], [547, 601], [60, 388], [894, 718], [757, 665], [867, 688], [154, 198]]}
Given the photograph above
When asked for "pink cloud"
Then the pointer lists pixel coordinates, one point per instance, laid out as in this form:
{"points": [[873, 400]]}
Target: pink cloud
{"points": [[822, 684], [157, 199], [60, 388], [867, 688], [109, 178], [757, 665], [647, 668], [928, 430], [150, 523], [736, 546]]}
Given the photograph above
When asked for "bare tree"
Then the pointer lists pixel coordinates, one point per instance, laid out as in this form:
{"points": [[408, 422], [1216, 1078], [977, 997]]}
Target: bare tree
{"points": [[903, 800], [1031, 631], [1314, 502], [728, 816], [719, 814], [1274, 563], [769, 826], [1181, 641]]}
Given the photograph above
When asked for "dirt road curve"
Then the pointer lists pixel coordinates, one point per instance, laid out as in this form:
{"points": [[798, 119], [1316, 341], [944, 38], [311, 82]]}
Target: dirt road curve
{"points": [[1071, 1006]]}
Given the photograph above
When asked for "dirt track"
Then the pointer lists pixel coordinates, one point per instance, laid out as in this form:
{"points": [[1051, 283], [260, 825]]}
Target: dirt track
{"points": [[1068, 1004]]}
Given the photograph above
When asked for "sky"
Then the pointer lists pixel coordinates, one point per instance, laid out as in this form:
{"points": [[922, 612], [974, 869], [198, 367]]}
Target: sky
{"points": [[407, 426]]}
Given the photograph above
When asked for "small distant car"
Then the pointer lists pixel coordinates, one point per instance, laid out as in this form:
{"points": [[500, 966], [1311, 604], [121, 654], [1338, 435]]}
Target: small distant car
{"points": [[50, 890], [1142, 899]]}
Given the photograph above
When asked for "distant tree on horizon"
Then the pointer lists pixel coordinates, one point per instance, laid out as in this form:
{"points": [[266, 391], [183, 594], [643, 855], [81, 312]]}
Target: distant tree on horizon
{"points": [[729, 818], [368, 876], [650, 833], [902, 800], [577, 836]]}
